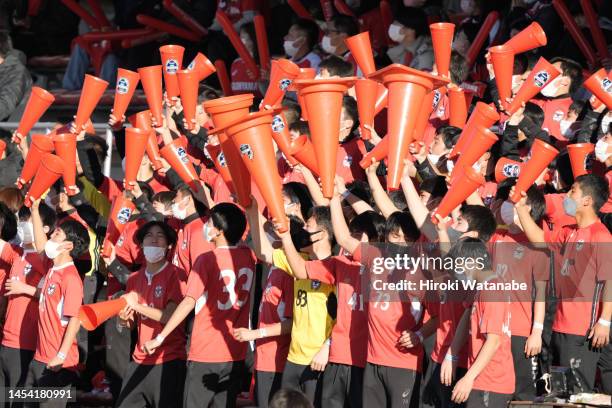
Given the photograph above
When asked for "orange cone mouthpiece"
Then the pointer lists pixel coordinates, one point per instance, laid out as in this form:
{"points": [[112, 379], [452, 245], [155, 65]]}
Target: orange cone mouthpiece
{"points": [[483, 116], [172, 62], [37, 105], [127, 81], [94, 314], [282, 74], [502, 59], [120, 214], [600, 85], [531, 37], [458, 107], [93, 89], [151, 79], [65, 148], [366, 91], [542, 74], [442, 40], [506, 168], [135, 146], [303, 150], [541, 155], [41, 144], [281, 136], [361, 49], [176, 156], [579, 155], [202, 66], [188, 85], [50, 170], [468, 182]]}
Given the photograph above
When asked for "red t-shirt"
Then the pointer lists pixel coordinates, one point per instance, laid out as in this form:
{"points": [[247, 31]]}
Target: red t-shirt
{"points": [[555, 110], [221, 285], [111, 188], [607, 207], [242, 80], [7, 253], [220, 191], [61, 296], [157, 291], [491, 316], [276, 305], [348, 158], [555, 215], [287, 173], [350, 333], [21, 324], [190, 243], [582, 262], [449, 315]]}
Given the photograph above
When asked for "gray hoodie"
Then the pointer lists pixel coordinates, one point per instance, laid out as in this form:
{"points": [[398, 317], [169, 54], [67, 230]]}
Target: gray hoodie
{"points": [[15, 84]]}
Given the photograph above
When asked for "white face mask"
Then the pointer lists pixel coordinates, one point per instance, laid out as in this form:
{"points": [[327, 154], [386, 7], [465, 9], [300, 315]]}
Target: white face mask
{"points": [[207, 235], [25, 231], [602, 150], [177, 212], [52, 249], [327, 45], [434, 158], [565, 127], [395, 33], [290, 48], [477, 167], [506, 212], [551, 90], [605, 123], [154, 254], [450, 165]]}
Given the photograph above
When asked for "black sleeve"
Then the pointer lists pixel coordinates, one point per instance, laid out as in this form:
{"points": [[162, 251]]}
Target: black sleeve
{"points": [[198, 141], [120, 141], [92, 168], [589, 127], [509, 143], [146, 209], [533, 131], [424, 169], [85, 210], [173, 179], [493, 91], [119, 271]]}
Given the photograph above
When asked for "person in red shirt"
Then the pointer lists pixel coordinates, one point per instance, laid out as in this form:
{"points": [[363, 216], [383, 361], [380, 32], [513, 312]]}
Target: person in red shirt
{"points": [[8, 232], [219, 289], [581, 326], [243, 81], [300, 42], [351, 149], [603, 153], [60, 295], [153, 293], [21, 320], [489, 380]]}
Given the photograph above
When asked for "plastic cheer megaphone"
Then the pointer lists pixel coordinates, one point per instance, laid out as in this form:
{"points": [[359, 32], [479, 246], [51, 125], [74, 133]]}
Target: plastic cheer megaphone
{"points": [[152, 150], [94, 314], [305, 73], [458, 107], [282, 74], [541, 75], [127, 81], [135, 145], [120, 214], [366, 91], [302, 149], [40, 145], [218, 159], [65, 148], [176, 156], [483, 116], [172, 61], [531, 37], [378, 153], [481, 140], [93, 89], [188, 84], [361, 49], [50, 170], [151, 79], [506, 168], [468, 182], [600, 85], [541, 155], [202, 66], [579, 155], [442, 39], [502, 59], [281, 136], [37, 105]]}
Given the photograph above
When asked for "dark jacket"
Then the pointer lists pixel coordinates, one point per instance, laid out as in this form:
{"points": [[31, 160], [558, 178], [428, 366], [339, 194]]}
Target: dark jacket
{"points": [[15, 84]]}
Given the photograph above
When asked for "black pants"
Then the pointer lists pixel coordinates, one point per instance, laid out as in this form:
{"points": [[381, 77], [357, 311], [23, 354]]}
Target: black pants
{"points": [[216, 383], [303, 378], [342, 386], [118, 350], [266, 385], [153, 386], [435, 394], [576, 353], [486, 399], [40, 376], [14, 365], [390, 387], [525, 370]]}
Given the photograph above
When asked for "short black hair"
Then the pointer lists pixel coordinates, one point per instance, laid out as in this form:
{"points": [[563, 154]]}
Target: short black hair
{"points": [[361, 189], [450, 135], [298, 194], [345, 25], [370, 223], [47, 214], [230, 219], [415, 18], [480, 219], [164, 197], [301, 127], [398, 199], [534, 113], [8, 223], [563, 165], [471, 248], [292, 111], [436, 186], [571, 69], [459, 68], [336, 66], [402, 220], [595, 187], [350, 106], [200, 207], [289, 398], [535, 197], [5, 43], [77, 234], [168, 231], [310, 29], [322, 216]]}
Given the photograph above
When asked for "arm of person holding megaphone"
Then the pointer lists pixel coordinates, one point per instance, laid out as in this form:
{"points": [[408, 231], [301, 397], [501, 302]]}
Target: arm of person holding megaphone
{"points": [[534, 233], [356, 203], [381, 198], [261, 245]]}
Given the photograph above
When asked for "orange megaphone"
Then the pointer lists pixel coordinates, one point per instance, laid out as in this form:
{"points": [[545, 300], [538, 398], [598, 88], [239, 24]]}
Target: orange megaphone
{"points": [[505, 168], [484, 116], [224, 111], [120, 215], [305, 73], [302, 149], [50, 170], [366, 91], [135, 146], [407, 89], [141, 120], [282, 73], [502, 59], [480, 141], [37, 105], [252, 136], [151, 80], [600, 85], [65, 148], [541, 75], [202, 66], [541, 155], [423, 117], [176, 156], [379, 152], [281, 136], [458, 107], [172, 62], [188, 85], [531, 37], [361, 49], [94, 314], [323, 101], [152, 149], [2, 148], [216, 154], [127, 81], [578, 155], [468, 182], [442, 40], [93, 89], [40, 145]]}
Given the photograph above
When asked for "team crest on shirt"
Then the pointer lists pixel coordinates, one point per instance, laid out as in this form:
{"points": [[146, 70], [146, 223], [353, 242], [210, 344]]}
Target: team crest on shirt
{"points": [[245, 150], [123, 85], [51, 289], [184, 245], [347, 161], [315, 284], [172, 66], [221, 160], [191, 65], [123, 216], [579, 244], [182, 154], [158, 291], [120, 241], [558, 116], [541, 78], [519, 251], [606, 85], [278, 124], [27, 269], [436, 99], [511, 170], [284, 83]]}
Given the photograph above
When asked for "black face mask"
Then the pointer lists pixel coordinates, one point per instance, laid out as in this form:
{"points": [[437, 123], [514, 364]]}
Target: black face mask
{"points": [[302, 238]]}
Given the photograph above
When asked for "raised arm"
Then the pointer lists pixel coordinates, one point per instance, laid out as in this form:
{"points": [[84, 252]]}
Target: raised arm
{"points": [[382, 200], [261, 245], [341, 229], [532, 230], [313, 187], [40, 238]]}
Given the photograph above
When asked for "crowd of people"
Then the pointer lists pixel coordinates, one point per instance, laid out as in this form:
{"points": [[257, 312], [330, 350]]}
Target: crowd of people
{"points": [[223, 305]]}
